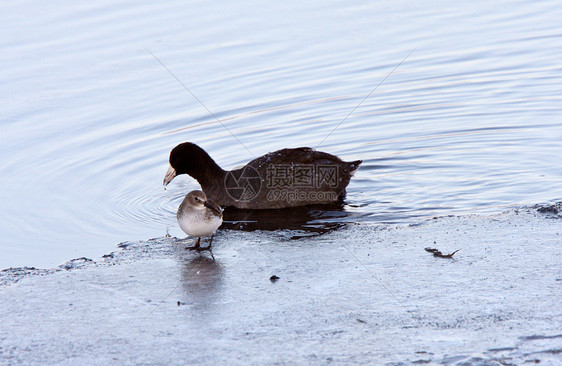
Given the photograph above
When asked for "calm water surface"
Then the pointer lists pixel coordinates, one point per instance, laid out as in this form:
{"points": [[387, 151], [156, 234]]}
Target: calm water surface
{"points": [[469, 123]]}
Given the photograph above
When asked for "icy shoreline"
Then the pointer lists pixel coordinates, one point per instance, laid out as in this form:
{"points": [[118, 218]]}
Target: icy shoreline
{"points": [[362, 294]]}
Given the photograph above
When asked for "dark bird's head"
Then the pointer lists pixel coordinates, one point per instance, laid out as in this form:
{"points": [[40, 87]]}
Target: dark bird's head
{"points": [[188, 158]]}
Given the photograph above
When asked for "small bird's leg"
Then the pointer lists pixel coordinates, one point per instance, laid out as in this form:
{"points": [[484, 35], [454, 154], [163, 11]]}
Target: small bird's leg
{"points": [[209, 248], [196, 246], [210, 243]]}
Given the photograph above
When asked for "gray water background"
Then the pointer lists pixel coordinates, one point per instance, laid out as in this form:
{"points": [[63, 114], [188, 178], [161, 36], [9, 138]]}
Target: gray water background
{"points": [[470, 122]]}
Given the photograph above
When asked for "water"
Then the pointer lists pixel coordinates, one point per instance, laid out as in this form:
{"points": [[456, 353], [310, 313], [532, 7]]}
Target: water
{"points": [[470, 122]]}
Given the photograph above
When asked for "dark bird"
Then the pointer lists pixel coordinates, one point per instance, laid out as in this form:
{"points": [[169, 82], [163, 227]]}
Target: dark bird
{"points": [[283, 178]]}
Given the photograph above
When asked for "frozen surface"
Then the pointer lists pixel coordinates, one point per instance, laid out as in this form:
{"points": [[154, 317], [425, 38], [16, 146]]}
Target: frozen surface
{"points": [[361, 295]]}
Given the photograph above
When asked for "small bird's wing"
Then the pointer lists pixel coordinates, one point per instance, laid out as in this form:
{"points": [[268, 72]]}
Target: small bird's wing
{"points": [[213, 206]]}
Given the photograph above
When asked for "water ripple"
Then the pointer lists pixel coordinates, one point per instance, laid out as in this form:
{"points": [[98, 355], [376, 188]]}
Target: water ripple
{"points": [[469, 123]]}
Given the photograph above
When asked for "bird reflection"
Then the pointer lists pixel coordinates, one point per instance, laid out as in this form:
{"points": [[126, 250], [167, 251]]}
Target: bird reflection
{"points": [[201, 281], [307, 220]]}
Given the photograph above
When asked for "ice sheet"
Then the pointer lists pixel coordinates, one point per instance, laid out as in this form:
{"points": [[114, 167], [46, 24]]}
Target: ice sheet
{"points": [[363, 294]]}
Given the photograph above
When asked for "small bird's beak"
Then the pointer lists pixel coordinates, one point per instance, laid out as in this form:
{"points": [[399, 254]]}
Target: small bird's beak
{"points": [[213, 206], [170, 174]]}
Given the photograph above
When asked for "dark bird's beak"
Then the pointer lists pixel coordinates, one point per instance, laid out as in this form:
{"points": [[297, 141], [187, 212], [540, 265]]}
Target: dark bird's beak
{"points": [[213, 206], [170, 174]]}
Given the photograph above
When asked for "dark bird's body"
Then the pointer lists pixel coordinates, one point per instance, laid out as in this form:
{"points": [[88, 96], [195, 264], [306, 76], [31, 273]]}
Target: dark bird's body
{"points": [[283, 178]]}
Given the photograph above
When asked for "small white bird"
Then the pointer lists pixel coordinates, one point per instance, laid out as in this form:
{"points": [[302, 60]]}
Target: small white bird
{"points": [[198, 216]]}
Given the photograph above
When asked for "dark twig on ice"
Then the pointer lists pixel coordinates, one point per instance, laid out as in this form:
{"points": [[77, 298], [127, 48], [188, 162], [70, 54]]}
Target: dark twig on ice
{"points": [[437, 253]]}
